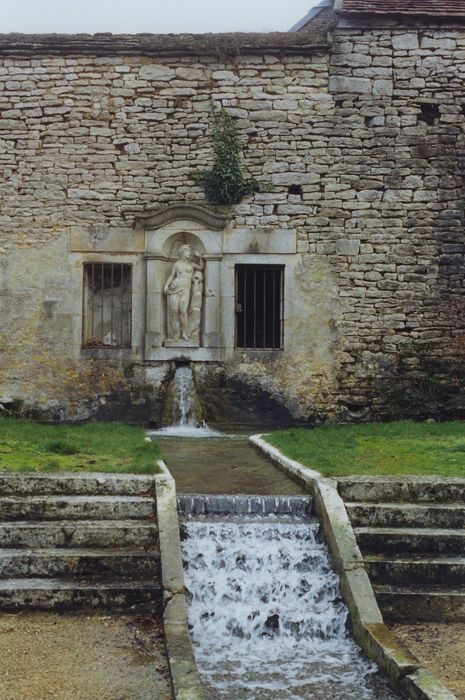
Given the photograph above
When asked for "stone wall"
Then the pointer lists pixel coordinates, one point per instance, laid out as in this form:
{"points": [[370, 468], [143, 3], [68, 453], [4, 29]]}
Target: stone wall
{"points": [[358, 148], [398, 143], [92, 142]]}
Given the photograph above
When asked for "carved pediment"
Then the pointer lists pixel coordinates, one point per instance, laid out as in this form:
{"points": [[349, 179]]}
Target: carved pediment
{"points": [[211, 218]]}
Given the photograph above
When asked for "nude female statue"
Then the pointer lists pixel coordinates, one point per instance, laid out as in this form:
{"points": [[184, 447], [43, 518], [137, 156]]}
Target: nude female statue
{"points": [[178, 290]]}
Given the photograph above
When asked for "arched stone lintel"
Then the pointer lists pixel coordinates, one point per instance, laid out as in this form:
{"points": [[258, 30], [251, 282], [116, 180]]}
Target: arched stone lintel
{"points": [[153, 219]]}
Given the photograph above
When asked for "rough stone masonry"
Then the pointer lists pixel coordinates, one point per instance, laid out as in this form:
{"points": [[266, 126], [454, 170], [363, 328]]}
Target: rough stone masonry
{"points": [[354, 129]]}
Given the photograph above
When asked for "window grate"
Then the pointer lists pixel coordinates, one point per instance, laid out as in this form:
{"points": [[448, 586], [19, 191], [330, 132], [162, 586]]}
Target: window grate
{"points": [[107, 305], [259, 306]]}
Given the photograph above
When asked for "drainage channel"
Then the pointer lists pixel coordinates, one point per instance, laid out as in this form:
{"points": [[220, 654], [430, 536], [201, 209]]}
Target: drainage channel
{"points": [[265, 611]]}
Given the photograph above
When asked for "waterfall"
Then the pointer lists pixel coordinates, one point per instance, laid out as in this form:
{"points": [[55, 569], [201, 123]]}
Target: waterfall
{"points": [[265, 611], [182, 415], [185, 408]]}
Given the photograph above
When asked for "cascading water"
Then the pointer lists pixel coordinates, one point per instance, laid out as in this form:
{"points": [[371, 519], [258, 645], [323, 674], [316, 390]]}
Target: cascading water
{"points": [[266, 616], [183, 413], [184, 405]]}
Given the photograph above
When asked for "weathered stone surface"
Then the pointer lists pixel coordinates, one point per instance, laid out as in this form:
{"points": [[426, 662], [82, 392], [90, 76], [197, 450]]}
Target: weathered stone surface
{"points": [[156, 72], [349, 85], [357, 141], [423, 685], [183, 669]]}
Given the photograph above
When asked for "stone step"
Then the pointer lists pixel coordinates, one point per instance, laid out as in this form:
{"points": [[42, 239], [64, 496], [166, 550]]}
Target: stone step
{"points": [[77, 507], [86, 533], [397, 541], [78, 563], [402, 489], [431, 515], [446, 571], [421, 603], [58, 594], [72, 484]]}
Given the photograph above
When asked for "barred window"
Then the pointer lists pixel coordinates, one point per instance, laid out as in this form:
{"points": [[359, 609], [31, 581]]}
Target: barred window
{"points": [[259, 306], [107, 305]]}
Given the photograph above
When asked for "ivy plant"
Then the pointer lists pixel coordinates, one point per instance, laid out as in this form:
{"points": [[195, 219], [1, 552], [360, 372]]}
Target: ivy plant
{"points": [[225, 183]]}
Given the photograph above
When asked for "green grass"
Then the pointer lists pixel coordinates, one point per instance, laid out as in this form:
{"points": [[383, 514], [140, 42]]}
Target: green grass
{"points": [[402, 447], [102, 447]]}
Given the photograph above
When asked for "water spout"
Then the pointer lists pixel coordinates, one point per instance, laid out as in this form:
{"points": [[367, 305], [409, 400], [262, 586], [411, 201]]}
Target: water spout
{"points": [[182, 408], [182, 415]]}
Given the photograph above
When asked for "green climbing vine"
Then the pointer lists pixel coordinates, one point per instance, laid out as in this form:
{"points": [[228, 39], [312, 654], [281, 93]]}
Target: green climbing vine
{"points": [[225, 183]]}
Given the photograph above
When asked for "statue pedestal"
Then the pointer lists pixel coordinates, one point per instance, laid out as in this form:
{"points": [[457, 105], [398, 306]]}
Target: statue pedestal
{"points": [[181, 343]]}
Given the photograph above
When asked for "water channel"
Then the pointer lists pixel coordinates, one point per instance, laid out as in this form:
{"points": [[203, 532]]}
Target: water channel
{"points": [[266, 615], [267, 619]]}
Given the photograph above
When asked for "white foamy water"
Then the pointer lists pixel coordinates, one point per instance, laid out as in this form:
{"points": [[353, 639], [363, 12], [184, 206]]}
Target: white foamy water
{"points": [[186, 431], [266, 615]]}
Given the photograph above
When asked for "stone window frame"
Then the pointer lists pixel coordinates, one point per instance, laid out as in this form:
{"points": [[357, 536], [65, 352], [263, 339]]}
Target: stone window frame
{"points": [[123, 265], [258, 302]]}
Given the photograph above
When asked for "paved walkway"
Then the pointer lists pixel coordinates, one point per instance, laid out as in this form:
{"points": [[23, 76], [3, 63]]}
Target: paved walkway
{"points": [[441, 648], [47, 656]]}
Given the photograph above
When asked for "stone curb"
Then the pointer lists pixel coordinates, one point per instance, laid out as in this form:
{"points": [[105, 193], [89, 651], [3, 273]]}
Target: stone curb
{"points": [[377, 641], [184, 674]]}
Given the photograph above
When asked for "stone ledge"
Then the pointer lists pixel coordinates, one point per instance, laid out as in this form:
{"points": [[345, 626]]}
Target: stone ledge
{"points": [[107, 44], [184, 674]]}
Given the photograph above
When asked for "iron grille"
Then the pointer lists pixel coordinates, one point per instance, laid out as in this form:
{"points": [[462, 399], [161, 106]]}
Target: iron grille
{"points": [[107, 305], [259, 306]]}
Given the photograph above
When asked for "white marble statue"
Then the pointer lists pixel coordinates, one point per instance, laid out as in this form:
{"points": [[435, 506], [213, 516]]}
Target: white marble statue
{"points": [[184, 292]]}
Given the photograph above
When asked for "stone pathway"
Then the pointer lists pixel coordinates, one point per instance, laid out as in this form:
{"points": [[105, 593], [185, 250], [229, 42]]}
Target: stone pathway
{"points": [[223, 465], [441, 648], [47, 656]]}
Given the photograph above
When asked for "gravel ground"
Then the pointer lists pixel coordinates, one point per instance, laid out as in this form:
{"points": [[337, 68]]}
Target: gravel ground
{"points": [[48, 656], [441, 648]]}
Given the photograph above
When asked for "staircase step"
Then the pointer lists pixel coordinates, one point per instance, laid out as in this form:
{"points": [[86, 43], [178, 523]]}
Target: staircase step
{"points": [[411, 604], [446, 571], [58, 594], [73, 484], [76, 507], [433, 541], [70, 563], [431, 515], [87, 533], [401, 489]]}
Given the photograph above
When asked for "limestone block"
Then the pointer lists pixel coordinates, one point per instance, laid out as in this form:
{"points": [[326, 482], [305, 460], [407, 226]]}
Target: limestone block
{"points": [[438, 43], [354, 60], [225, 75], [191, 73], [272, 241], [383, 87], [342, 83], [156, 72], [106, 239], [405, 41], [348, 246]]}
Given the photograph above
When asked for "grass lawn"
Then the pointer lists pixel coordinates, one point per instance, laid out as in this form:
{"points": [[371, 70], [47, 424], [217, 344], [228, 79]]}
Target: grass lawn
{"points": [[98, 447], [402, 447]]}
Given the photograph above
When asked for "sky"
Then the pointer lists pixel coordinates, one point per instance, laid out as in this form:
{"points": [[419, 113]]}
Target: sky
{"points": [[154, 16]]}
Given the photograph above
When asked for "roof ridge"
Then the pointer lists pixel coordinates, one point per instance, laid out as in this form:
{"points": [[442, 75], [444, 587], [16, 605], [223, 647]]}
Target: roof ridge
{"points": [[436, 8]]}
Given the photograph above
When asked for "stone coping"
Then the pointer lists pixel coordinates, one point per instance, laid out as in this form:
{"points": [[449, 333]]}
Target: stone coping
{"points": [[225, 45], [378, 642], [184, 674]]}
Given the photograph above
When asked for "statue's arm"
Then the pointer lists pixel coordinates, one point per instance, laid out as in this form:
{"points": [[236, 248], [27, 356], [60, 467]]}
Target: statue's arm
{"points": [[200, 264]]}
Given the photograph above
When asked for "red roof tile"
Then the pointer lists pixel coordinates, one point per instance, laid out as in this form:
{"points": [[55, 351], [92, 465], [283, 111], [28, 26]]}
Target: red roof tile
{"points": [[442, 8]]}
